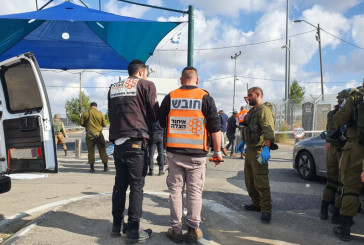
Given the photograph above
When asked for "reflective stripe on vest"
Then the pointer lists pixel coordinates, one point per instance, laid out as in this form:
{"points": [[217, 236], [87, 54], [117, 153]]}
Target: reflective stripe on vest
{"points": [[186, 122]]}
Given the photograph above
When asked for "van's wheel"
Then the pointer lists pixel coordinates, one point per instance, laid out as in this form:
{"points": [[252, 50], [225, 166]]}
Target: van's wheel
{"points": [[306, 165], [5, 184]]}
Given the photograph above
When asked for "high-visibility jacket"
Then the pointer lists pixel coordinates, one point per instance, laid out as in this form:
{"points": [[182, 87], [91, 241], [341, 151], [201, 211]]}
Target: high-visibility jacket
{"points": [[241, 115], [186, 122]]}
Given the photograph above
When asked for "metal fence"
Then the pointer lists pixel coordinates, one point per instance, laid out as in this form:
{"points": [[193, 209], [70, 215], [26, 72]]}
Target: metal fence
{"points": [[310, 114]]}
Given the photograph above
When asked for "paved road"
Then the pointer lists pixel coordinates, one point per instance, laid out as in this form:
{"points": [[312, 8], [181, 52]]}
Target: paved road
{"points": [[74, 207]]}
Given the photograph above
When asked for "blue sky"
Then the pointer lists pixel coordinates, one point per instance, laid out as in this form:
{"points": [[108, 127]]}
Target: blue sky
{"points": [[237, 23]]}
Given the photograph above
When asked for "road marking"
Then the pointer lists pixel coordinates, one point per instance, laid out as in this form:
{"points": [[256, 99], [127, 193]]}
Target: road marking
{"points": [[267, 241]]}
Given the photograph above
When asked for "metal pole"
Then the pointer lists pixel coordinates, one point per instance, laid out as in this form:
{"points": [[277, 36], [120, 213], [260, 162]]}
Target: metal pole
{"points": [[322, 79], [286, 60], [190, 35], [289, 68], [36, 3], [286, 85], [80, 92], [100, 5], [235, 57]]}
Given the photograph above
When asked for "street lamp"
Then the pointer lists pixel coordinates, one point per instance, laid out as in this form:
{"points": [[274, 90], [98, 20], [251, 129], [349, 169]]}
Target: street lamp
{"points": [[234, 58], [247, 85], [318, 38]]}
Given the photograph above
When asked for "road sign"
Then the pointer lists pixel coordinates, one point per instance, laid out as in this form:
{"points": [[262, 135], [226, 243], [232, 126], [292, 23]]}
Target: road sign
{"points": [[299, 132]]}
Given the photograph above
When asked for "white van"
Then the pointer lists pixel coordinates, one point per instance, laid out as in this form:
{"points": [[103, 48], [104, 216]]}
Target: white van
{"points": [[27, 141]]}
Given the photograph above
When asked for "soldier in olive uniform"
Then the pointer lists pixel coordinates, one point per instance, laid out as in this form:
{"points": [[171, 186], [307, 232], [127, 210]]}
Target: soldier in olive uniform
{"points": [[351, 114], [59, 132], [93, 120], [334, 143], [259, 136]]}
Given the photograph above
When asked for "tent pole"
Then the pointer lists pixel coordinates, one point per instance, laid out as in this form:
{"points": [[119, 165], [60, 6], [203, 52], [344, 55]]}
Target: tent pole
{"points": [[36, 3], [45, 5], [83, 3], [100, 5], [190, 25]]}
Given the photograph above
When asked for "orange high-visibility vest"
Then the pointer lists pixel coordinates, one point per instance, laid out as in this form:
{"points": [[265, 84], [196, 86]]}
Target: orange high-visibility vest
{"points": [[241, 115], [186, 122]]}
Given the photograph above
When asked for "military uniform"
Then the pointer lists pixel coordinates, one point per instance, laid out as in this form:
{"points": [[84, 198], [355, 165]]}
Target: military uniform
{"points": [[93, 121], [351, 162], [259, 126], [332, 191], [59, 132]]}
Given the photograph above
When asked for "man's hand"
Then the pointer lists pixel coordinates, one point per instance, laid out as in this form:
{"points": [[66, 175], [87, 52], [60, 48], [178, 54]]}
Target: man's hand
{"points": [[327, 146], [362, 177], [265, 154], [217, 158]]}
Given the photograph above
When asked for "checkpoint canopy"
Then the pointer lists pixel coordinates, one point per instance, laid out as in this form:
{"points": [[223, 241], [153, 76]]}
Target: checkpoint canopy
{"points": [[69, 36]]}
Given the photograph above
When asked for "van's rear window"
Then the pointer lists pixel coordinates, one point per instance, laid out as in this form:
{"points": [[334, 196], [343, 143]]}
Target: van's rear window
{"points": [[21, 89]]}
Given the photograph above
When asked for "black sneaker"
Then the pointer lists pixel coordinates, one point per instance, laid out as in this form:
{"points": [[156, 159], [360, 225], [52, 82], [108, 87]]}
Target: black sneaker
{"points": [[252, 207], [161, 173], [115, 231], [133, 236], [266, 217], [150, 173]]}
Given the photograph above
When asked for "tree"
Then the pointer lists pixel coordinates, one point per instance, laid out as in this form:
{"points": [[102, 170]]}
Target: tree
{"points": [[296, 92], [73, 107]]}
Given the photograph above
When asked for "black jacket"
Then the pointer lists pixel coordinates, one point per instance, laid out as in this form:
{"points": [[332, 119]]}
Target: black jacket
{"points": [[132, 115], [231, 126]]}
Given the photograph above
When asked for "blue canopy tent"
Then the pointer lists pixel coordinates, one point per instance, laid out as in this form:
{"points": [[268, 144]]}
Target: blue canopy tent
{"points": [[69, 36]]}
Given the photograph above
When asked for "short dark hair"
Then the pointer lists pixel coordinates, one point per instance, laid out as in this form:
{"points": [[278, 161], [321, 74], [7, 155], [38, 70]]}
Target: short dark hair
{"points": [[135, 66], [188, 75], [256, 90], [93, 104]]}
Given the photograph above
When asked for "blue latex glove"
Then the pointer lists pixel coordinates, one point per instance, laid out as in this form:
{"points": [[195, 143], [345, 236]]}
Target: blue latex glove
{"points": [[265, 154], [240, 147]]}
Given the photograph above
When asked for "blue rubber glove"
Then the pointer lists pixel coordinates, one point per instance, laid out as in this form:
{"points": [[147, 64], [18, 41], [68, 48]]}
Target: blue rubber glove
{"points": [[265, 154]]}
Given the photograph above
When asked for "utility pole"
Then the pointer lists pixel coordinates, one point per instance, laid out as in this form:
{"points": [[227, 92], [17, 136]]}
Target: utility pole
{"points": [[234, 58], [318, 38]]}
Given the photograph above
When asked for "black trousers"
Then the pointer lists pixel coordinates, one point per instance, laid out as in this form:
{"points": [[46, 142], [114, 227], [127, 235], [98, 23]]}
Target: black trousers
{"points": [[131, 167], [157, 141]]}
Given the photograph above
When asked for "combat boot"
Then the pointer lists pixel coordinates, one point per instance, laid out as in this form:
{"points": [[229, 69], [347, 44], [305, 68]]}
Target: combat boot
{"points": [[134, 236], [324, 213], [192, 235], [343, 231], [336, 217], [92, 168], [106, 168]]}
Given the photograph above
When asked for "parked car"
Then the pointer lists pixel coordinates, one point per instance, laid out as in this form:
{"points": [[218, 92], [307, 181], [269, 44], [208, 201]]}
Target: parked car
{"points": [[309, 157], [27, 141]]}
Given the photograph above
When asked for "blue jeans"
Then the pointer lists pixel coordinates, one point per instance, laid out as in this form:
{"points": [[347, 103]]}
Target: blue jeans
{"points": [[231, 139], [156, 141]]}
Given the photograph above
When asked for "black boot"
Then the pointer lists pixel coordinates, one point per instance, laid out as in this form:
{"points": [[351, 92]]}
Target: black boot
{"points": [[324, 213], [92, 168], [336, 217], [106, 168], [343, 231]]}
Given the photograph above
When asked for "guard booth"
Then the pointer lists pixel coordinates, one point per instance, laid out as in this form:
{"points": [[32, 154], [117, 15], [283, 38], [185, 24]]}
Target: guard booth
{"points": [[307, 115]]}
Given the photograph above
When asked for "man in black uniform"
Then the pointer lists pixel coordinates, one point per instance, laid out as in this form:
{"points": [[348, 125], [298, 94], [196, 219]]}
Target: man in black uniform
{"points": [[133, 106]]}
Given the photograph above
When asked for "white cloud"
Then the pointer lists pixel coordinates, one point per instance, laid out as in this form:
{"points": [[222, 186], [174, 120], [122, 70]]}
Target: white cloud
{"points": [[130, 10], [357, 31], [230, 8]]}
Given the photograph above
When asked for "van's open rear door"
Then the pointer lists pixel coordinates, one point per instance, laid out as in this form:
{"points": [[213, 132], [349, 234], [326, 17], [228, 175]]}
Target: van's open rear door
{"points": [[26, 134]]}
